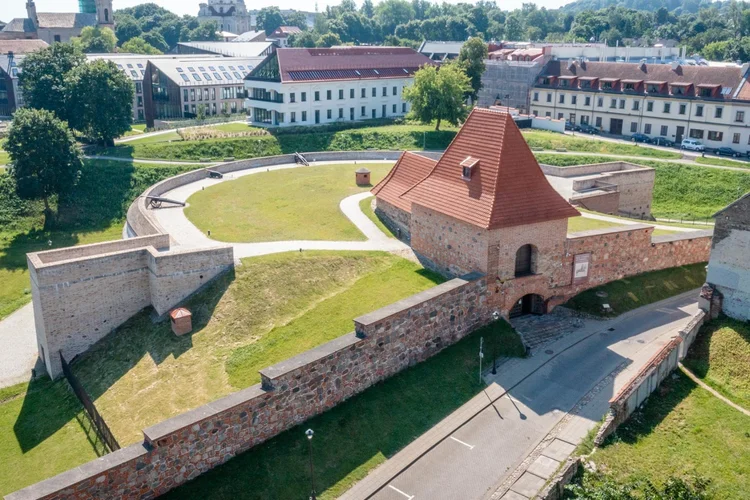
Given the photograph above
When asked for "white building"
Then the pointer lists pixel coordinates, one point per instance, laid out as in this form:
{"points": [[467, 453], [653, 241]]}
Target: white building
{"points": [[230, 15], [318, 86], [707, 103]]}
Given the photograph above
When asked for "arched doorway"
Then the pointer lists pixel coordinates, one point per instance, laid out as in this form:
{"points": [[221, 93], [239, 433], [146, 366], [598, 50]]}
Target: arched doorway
{"points": [[528, 304]]}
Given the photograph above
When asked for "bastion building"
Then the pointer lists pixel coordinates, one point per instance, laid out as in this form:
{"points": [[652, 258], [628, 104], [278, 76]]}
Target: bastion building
{"points": [[486, 206]]}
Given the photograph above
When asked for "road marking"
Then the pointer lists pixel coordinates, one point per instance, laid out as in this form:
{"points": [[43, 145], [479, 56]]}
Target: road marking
{"points": [[469, 446], [399, 491]]}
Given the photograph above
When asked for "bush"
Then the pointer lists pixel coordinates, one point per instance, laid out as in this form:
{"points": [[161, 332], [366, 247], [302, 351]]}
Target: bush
{"points": [[592, 486], [206, 133]]}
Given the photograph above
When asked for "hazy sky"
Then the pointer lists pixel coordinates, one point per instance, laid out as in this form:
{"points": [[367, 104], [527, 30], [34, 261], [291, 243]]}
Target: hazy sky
{"points": [[17, 8]]}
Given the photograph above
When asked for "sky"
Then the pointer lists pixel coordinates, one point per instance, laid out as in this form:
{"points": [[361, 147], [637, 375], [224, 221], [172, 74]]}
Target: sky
{"points": [[17, 8]]}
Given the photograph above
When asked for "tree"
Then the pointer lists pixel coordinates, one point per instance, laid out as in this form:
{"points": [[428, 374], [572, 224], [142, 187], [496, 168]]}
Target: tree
{"points": [[204, 32], [269, 18], [101, 96], [513, 27], [138, 45], [127, 28], [155, 39], [42, 77], [367, 9], [297, 19], [328, 40], [45, 158], [439, 94], [305, 39], [391, 13], [471, 58], [96, 40]]}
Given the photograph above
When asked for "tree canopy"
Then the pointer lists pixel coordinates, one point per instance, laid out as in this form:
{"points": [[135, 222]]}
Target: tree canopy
{"points": [[43, 73], [438, 94], [96, 40], [471, 58], [268, 19], [138, 45], [45, 158]]}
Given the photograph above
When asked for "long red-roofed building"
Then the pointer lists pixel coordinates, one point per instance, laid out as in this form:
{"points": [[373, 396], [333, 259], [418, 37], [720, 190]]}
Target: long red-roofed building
{"points": [[486, 207], [301, 86]]}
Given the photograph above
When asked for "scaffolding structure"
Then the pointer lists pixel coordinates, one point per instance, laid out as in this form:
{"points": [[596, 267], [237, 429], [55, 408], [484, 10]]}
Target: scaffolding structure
{"points": [[507, 83], [87, 6]]}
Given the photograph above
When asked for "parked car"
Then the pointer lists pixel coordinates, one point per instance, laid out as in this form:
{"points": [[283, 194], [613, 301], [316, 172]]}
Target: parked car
{"points": [[727, 152], [588, 129], [692, 145], [663, 141], [640, 138], [569, 125]]}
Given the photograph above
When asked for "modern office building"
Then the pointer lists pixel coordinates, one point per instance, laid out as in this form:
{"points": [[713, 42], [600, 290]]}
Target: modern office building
{"points": [[708, 103], [178, 88], [317, 86]]}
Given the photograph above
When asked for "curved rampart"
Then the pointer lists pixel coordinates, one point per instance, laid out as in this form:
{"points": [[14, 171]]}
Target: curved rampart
{"points": [[141, 221]]}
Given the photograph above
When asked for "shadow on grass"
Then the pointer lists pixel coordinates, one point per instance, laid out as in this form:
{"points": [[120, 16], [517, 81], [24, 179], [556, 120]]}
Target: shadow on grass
{"points": [[355, 436], [658, 406]]}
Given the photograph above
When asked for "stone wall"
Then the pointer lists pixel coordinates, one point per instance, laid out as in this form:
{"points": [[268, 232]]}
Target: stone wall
{"points": [[393, 217], [181, 448], [80, 294], [729, 267], [648, 378], [605, 202]]}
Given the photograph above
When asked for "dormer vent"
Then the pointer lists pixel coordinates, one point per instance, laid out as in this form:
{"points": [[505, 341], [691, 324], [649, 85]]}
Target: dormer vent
{"points": [[468, 166]]}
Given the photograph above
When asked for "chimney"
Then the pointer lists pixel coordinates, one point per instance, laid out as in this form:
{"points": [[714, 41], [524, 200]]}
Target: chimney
{"points": [[31, 13], [571, 65], [642, 66], [675, 65], [744, 69]]}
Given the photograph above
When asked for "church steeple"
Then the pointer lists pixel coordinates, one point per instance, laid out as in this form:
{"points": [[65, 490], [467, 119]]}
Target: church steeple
{"points": [[31, 13], [104, 16]]}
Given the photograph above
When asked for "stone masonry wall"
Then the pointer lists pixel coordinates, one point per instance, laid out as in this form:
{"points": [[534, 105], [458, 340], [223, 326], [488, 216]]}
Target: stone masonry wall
{"points": [[394, 217], [81, 294], [181, 448], [602, 202]]}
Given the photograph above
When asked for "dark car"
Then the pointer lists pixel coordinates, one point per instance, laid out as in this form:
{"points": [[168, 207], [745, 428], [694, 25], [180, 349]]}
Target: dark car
{"points": [[569, 126], [727, 152], [640, 138], [588, 129], [663, 141]]}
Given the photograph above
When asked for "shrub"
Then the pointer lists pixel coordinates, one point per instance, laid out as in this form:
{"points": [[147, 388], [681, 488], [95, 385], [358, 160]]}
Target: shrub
{"points": [[207, 133]]}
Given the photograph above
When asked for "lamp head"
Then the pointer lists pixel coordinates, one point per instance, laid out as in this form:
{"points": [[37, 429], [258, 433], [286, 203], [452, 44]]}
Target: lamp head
{"points": [[495, 315], [309, 433]]}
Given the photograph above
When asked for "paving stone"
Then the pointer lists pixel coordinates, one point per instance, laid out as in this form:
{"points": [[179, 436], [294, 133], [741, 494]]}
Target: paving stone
{"points": [[544, 466], [538, 331], [559, 450], [512, 495], [528, 485]]}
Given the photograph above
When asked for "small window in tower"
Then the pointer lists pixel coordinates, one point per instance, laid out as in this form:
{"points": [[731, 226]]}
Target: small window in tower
{"points": [[106, 15], [467, 167]]}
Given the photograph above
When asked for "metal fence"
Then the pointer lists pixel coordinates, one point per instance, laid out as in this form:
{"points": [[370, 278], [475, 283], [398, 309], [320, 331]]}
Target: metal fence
{"points": [[102, 429]]}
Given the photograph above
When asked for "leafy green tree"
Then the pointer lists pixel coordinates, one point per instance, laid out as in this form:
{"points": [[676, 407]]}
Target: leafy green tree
{"points": [[513, 28], [155, 39], [716, 51], [96, 40], [297, 19], [126, 29], [45, 158], [42, 77], [138, 45], [391, 13], [471, 58], [328, 40], [269, 18], [100, 97], [305, 39], [438, 95], [204, 32], [367, 9]]}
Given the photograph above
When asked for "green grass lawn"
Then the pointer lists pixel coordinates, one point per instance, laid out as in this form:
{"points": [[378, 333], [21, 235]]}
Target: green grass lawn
{"points": [[272, 308], [356, 436], [288, 204], [156, 139], [636, 291], [584, 144], [720, 356], [4, 158], [576, 224], [366, 207], [682, 430], [722, 162], [94, 212], [43, 432], [234, 127], [141, 127]]}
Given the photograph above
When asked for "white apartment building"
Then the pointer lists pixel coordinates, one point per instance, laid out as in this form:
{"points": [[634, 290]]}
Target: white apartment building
{"points": [[707, 103], [319, 86]]}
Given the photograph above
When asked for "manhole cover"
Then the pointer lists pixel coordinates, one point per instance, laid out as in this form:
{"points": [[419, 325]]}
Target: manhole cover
{"points": [[549, 351], [610, 329], [601, 294]]}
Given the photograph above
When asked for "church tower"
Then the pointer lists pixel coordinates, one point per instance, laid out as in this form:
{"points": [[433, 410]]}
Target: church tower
{"points": [[104, 15]]}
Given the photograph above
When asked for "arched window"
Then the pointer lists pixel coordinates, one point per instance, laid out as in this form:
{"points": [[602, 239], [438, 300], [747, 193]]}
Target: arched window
{"points": [[106, 15], [525, 261]]}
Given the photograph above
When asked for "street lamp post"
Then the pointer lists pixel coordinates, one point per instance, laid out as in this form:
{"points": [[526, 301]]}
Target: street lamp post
{"points": [[309, 433]]}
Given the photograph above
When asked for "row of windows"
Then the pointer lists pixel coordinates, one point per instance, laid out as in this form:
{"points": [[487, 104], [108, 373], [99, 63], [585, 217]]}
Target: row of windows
{"points": [[648, 129], [341, 94], [213, 109], [614, 103], [264, 116], [207, 94]]}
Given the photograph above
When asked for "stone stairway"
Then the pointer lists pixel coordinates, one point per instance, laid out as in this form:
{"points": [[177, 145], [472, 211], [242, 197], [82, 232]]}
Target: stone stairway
{"points": [[538, 331]]}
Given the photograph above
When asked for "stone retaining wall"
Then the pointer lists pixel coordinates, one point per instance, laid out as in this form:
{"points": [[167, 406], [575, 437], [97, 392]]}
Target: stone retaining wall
{"points": [[648, 378], [176, 450]]}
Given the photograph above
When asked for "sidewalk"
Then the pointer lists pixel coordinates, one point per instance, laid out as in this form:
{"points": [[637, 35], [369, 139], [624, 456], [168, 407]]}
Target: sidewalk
{"points": [[18, 354]]}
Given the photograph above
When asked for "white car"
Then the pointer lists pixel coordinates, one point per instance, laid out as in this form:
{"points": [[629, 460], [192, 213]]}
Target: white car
{"points": [[692, 145]]}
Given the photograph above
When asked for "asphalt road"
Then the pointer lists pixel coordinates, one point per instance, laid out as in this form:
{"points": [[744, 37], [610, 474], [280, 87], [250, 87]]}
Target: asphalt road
{"points": [[480, 454]]}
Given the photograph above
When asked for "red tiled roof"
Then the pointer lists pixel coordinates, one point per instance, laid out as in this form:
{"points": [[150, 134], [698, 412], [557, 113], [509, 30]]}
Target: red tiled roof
{"points": [[286, 30], [506, 188], [408, 171], [349, 63]]}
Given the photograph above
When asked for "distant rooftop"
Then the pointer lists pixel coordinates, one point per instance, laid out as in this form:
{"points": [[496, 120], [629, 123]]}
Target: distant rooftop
{"points": [[230, 49], [209, 70]]}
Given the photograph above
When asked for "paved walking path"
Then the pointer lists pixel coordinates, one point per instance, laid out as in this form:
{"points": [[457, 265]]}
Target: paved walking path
{"points": [[150, 162], [18, 350], [132, 138], [559, 394], [186, 235], [713, 391]]}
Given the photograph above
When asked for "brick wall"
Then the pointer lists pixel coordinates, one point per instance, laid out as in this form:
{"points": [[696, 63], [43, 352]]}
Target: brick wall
{"points": [[601, 201], [394, 217], [81, 294], [179, 449]]}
